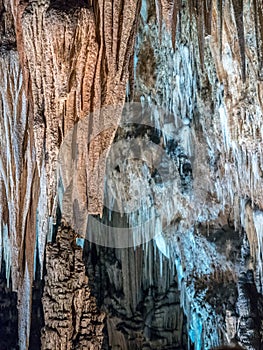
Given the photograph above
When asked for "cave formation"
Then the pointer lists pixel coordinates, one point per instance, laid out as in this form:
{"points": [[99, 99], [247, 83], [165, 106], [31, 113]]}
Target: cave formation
{"points": [[131, 174]]}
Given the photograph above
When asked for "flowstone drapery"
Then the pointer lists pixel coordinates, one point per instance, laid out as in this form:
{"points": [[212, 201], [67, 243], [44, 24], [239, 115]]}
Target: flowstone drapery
{"points": [[186, 183]]}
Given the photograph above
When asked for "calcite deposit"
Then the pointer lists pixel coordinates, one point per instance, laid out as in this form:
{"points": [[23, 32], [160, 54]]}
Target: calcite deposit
{"points": [[131, 135]]}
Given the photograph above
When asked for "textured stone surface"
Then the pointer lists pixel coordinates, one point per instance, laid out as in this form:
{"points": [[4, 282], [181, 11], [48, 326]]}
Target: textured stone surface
{"points": [[7, 30], [71, 317], [210, 91], [68, 67], [77, 66], [18, 183], [201, 62], [142, 312]]}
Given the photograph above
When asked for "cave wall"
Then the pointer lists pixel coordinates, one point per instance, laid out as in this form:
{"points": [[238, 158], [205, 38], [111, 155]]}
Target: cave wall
{"points": [[209, 125], [196, 69], [48, 83]]}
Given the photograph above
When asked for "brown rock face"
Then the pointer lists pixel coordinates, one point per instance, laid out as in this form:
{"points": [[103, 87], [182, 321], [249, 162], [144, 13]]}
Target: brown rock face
{"points": [[71, 317], [19, 181], [67, 86], [71, 63]]}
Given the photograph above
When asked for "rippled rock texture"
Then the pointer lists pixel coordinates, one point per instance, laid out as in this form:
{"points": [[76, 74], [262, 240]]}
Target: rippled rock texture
{"points": [[71, 317]]}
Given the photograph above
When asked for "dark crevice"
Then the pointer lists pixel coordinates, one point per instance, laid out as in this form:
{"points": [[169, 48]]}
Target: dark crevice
{"points": [[8, 315], [67, 5], [137, 319], [238, 10]]}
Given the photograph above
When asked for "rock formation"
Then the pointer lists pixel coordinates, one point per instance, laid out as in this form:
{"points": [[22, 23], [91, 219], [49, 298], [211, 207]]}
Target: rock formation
{"points": [[137, 225], [70, 312]]}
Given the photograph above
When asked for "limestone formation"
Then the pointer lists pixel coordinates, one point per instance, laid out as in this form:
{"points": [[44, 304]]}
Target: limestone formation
{"points": [[71, 317], [166, 189]]}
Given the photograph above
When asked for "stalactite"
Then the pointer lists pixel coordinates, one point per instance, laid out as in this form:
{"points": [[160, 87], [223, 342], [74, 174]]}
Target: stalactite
{"points": [[208, 6], [139, 317], [59, 88], [247, 178], [191, 9], [203, 12], [60, 83], [259, 28], [177, 4], [220, 9], [238, 11], [200, 29], [159, 14], [66, 88], [19, 184]]}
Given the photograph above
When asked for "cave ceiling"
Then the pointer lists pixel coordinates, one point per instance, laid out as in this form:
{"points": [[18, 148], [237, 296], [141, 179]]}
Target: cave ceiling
{"points": [[131, 174]]}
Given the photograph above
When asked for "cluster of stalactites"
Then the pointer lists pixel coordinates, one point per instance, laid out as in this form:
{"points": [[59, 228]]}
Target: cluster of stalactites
{"points": [[201, 12]]}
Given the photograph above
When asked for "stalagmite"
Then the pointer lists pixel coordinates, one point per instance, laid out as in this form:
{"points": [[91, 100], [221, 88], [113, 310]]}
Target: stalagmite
{"points": [[70, 312]]}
